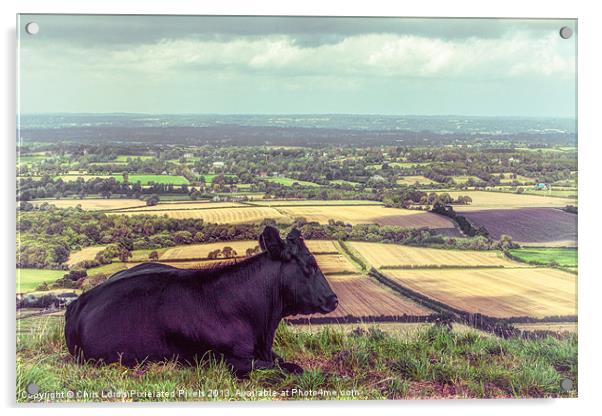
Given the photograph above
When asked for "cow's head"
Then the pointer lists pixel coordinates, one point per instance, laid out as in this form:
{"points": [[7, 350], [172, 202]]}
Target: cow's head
{"points": [[304, 287]]}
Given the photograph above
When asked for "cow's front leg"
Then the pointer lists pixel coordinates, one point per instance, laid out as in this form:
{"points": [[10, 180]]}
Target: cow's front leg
{"points": [[243, 366], [285, 365]]}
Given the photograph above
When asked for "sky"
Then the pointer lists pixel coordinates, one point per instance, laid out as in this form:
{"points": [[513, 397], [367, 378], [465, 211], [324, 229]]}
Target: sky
{"points": [[285, 65]]}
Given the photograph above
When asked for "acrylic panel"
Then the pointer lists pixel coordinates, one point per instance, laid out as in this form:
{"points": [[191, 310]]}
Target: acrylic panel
{"points": [[295, 208]]}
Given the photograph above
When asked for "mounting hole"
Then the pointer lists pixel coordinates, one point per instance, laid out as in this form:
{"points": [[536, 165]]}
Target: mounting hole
{"points": [[32, 28], [566, 32]]}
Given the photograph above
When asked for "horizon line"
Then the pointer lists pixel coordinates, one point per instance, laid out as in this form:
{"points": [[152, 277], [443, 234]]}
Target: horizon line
{"points": [[291, 114]]}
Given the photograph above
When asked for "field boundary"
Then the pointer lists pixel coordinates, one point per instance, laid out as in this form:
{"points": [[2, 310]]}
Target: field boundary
{"points": [[355, 257], [443, 266]]}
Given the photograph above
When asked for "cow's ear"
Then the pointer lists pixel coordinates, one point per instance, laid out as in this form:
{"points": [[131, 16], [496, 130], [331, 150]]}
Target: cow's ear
{"points": [[270, 241], [294, 235]]}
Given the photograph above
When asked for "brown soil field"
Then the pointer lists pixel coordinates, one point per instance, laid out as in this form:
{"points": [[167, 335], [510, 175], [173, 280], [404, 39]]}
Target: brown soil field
{"points": [[482, 200], [545, 226], [379, 255], [87, 253], [501, 293], [370, 215], [362, 297], [92, 204]]}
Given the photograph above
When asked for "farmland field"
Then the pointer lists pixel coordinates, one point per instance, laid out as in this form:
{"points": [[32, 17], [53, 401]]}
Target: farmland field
{"points": [[500, 293], [29, 279], [537, 226], [369, 215], [93, 204], [86, 253], [222, 215], [392, 255], [334, 264], [564, 257], [313, 202], [482, 200], [183, 205], [360, 296], [509, 179], [200, 251], [464, 178], [256, 212], [411, 180], [289, 181]]}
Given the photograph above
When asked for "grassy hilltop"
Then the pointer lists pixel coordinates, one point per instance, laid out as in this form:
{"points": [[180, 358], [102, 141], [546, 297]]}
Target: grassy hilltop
{"points": [[421, 361]]}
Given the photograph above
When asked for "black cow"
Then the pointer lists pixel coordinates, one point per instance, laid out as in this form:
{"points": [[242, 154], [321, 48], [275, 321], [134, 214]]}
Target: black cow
{"points": [[154, 312]]}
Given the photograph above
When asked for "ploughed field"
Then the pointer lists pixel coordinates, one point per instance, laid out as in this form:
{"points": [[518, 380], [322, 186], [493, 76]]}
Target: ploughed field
{"points": [[361, 296], [499, 293], [531, 226]]}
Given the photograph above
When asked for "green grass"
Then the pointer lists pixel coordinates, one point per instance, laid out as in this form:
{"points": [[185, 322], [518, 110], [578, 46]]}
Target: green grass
{"points": [[30, 158], [343, 182], [29, 279], [163, 179], [289, 181], [430, 362], [142, 254], [564, 257]]}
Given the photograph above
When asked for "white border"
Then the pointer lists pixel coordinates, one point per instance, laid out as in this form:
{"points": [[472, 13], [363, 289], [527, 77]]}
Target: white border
{"points": [[590, 34]]}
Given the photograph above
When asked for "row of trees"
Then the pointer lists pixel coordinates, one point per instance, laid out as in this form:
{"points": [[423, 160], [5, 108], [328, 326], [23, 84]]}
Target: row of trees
{"points": [[47, 236]]}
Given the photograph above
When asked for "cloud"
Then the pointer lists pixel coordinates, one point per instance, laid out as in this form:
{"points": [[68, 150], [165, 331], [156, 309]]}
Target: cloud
{"points": [[372, 55]]}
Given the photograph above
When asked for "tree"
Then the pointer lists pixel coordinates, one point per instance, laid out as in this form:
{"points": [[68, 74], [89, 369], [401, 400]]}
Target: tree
{"points": [[152, 200], [214, 254], [125, 254], [229, 252]]}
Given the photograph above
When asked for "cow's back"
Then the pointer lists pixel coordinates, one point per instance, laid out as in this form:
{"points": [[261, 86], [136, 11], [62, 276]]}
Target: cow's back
{"points": [[121, 313]]}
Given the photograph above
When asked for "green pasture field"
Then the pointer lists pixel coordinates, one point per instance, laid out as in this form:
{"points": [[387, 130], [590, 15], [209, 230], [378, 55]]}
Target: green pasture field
{"points": [[289, 181], [29, 279], [343, 182], [564, 257], [464, 178]]}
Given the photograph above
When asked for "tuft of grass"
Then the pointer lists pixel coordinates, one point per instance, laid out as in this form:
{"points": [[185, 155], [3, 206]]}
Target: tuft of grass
{"points": [[366, 363]]}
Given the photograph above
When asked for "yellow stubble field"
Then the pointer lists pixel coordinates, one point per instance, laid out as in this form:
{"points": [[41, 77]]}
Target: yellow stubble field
{"points": [[500, 293], [391, 255]]}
